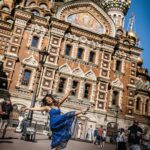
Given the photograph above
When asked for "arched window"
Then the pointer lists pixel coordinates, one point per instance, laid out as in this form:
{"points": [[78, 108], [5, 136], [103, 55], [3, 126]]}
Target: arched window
{"points": [[80, 53], [115, 98], [47, 16], [5, 8], [10, 20], [119, 20], [92, 56], [68, 50], [138, 104], [35, 12], [87, 90], [62, 83], [115, 18], [32, 4], [59, 0], [26, 77], [44, 6], [146, 107], [35, 41]]}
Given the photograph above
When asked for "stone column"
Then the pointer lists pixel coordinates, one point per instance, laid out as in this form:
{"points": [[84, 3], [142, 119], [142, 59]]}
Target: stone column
{"points": [[81, 90], [93, 90], [56, 84], [68, 84]]}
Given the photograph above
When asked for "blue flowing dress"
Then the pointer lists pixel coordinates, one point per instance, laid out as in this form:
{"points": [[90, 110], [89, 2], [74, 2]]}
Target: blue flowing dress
{"points": [[60, 125]]}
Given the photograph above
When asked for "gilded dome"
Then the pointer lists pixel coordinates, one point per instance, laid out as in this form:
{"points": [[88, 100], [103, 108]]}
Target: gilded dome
{"points": [[139, 61], [132, 36]]}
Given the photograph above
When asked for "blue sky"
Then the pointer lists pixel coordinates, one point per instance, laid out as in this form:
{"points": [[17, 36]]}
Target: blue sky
{"points": [[141, 9]]}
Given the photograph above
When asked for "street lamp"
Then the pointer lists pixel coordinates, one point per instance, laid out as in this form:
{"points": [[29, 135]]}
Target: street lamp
{"points": [[42, 58]]}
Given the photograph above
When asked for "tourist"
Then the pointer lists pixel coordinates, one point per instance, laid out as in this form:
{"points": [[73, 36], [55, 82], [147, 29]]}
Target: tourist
{"points": [[5, 110], [135, 136]]}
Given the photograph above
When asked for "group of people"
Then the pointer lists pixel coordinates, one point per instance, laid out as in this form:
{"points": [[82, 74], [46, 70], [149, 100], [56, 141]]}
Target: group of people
{"points": [[61, 125], [100, 136], [134, 138]]}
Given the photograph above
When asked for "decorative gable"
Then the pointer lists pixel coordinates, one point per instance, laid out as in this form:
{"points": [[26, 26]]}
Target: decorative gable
{"points": [[78, 72], [31, 61], [90, 75], [65, 69], [117, 83]]}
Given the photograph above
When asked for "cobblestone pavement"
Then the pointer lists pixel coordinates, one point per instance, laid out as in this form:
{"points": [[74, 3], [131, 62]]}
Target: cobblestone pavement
{"points": [[12, 141]]}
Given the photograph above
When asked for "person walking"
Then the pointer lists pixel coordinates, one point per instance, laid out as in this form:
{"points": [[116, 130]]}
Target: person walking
{"points": [[104, 137], [146, 140], [95, 141], [135, 136], [5, 109], [100, 134], [60, 124], [121, 140]]}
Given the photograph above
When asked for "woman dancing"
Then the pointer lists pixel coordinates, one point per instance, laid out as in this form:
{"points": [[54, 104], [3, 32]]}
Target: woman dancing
{"points": [[60, 124]]}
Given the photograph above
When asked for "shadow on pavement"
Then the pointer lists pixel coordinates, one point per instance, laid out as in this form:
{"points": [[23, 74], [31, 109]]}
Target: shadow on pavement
{"points": [[6, 142], [9, 138]]}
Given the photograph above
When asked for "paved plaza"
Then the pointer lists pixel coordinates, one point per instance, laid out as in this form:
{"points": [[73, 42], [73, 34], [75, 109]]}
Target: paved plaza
{"points": [[12, 141]]}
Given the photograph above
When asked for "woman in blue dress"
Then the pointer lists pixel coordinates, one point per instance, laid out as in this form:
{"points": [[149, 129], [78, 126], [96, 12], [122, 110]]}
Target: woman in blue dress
{"points": [[60, 124]]}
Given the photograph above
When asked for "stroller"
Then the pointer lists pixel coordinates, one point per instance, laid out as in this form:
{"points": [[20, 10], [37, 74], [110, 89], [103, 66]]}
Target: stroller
{"points": [[28, 132]]}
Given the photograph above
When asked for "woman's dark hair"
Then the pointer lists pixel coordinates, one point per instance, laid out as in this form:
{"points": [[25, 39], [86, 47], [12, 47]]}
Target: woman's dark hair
{"points": [[44, 102]]}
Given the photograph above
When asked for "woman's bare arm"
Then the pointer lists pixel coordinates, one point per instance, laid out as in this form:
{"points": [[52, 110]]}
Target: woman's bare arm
{"points": [[44, 108], [63, 99]]}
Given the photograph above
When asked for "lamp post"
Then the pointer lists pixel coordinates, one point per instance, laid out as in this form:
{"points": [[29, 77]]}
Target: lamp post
{"points": [[42, 58]]}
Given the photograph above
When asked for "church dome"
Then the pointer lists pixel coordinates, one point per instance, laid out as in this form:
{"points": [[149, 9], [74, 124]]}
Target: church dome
{"points": [[115, 4], [139, 61], [132, 36]]}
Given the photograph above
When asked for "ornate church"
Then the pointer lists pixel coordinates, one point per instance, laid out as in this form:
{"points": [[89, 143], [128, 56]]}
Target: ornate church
{"points": [[87, 48]]}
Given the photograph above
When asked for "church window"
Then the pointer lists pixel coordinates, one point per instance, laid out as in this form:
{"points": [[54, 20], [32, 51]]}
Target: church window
{"points": [[75, 85], [80, 53], [118, 66], [43, 5], [138, 104], [87, 90], [5, 8], [115, 98], [9, 20], [26, 77], [146, 107], [114, 19], [35, 41], [32, 4], [68, 50], [61, 86], [35, 12], [91, 57], [59, 0]]}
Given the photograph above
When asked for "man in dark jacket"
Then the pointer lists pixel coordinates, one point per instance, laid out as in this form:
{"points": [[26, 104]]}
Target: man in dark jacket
{"points": [[5, 110], [135, 135]]}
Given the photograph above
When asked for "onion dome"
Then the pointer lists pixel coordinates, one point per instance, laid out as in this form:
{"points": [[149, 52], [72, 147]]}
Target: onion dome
{"points": [[115, 5], [132, 36], [139, 61]]}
